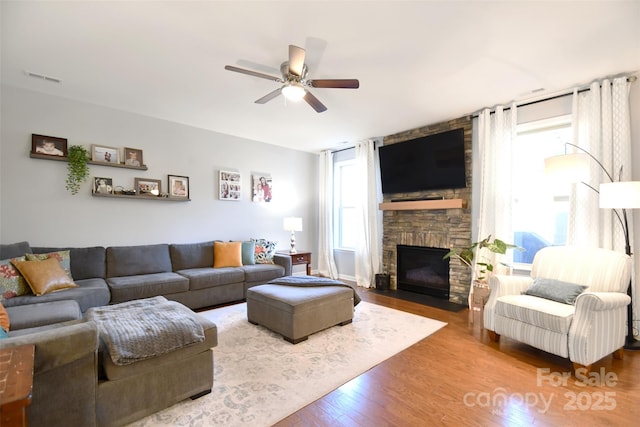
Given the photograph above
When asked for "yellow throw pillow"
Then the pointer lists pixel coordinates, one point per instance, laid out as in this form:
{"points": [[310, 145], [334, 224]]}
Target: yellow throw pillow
{"points": [[4, 318], [44, 276], [227, 254]]}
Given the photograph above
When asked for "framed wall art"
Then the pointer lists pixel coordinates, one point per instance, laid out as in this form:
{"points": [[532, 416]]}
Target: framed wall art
{"points": [[262, 188], [230, 187], [48, 145], [133, 157], [146, 187], [102, 185], [100, 153], [179, 186]]}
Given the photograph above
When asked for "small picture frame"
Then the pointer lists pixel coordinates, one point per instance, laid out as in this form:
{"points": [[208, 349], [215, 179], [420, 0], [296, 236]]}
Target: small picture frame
{"points": [[48, 145], [102, 185], [133, 157], [179, 186], [262, 188], [230, 187], [103, 154], [146, 187]]}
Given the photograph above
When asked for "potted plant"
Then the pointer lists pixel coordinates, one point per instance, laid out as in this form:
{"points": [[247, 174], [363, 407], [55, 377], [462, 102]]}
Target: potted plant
{"points": [[478, 249], [77, 168]]}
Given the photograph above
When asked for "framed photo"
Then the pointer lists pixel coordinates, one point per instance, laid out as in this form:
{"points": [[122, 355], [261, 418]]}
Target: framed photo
{"points": [[230, 187], [179, 186], [262, 188], [102, 185], [133, 157], [100, 153], [48, 145], [148, 187]]}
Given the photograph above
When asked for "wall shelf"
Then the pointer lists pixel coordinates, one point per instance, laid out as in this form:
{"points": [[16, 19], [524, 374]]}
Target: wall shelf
{"points": [[424, 205], [90, 162], [136, 197]]}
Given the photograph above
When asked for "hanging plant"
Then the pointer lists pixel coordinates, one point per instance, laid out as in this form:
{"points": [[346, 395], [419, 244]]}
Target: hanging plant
{"points": [[77, 169]]}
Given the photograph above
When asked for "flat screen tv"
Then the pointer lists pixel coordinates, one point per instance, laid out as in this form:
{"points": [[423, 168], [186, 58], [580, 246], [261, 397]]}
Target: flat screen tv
{"points": [[432, 162]]}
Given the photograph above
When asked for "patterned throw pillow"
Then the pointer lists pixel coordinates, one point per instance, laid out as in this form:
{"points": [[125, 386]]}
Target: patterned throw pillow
{"points": [[63, 258], [265, 250], [12, 284]]}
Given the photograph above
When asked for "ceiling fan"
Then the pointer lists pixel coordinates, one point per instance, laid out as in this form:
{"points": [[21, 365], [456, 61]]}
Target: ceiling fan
{"points": [[295, 81]]}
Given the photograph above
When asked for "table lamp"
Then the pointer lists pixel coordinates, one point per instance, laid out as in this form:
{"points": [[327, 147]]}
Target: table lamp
{"points": [[293, 224]]}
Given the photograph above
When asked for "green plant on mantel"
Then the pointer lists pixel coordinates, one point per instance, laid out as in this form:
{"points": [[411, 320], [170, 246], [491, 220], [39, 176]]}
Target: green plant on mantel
{"points": [[485, 267], [77, 168]]}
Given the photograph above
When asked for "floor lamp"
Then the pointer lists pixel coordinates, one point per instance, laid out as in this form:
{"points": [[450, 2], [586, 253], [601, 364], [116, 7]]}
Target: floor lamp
{"points": [[615, 195]]}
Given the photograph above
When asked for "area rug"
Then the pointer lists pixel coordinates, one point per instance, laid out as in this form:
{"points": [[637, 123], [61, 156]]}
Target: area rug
{"points": [[259, 378]]}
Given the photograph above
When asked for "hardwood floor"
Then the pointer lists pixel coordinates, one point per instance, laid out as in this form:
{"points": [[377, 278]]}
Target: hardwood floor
{"points": [[458, 377]]}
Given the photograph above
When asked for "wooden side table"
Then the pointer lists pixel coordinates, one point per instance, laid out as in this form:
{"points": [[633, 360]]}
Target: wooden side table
{"points": [[477, 299], [16, 381], [299, 258]]}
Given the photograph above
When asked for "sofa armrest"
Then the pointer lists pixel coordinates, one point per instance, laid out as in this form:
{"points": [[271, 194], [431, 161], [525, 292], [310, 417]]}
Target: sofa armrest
{"points": [[284, 261], [501, 285], [598, 327], [58, 346]]}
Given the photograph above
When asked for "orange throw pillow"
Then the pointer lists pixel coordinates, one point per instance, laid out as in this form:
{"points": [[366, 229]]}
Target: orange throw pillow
{"points": [[227, 254], [44, 276], [4, 318]]}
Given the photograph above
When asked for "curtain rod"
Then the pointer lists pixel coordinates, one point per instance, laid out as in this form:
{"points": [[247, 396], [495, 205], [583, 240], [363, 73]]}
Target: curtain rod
{"points": [[630, 79]]}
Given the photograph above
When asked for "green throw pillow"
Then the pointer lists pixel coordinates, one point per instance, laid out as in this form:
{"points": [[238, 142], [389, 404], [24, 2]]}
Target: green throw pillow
{"points": [[248, 253]]}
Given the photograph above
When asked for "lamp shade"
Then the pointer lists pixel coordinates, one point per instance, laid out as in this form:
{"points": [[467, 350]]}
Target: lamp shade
{"points": [[293, 92], [620, 195], [292, 223], [567, 168]]}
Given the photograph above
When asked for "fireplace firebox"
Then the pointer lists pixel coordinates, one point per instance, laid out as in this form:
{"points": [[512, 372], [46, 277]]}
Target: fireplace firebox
{"points": [[422, 270]]}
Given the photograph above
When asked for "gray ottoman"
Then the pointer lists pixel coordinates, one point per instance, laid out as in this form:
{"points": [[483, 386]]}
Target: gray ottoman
{"points": [[296, 312]]}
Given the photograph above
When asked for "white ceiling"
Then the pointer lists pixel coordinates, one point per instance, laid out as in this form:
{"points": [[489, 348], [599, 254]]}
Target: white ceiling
{"points": [[418, 63]]}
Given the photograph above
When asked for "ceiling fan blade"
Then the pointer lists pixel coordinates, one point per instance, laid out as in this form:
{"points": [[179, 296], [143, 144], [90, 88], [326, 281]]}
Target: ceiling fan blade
{"points": [[314, 102], [252, 73], [336, 83], [296, 60], [268, 97]]}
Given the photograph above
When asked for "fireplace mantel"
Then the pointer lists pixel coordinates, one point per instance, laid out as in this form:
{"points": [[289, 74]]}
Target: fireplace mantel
{"points": [[424, 205]]}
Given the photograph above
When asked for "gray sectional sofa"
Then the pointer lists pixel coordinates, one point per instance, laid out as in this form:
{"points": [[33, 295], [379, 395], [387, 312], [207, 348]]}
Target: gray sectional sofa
{"points": [[74, 383]]}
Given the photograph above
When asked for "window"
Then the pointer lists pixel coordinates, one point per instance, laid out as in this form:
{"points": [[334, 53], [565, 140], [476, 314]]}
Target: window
{"points": [[344, 207], [540, 208]]}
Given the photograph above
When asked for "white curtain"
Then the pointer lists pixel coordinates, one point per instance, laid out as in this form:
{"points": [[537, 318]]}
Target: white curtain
{"points": [[496, 134], [368, 254], [326, 263], [601, 126]]}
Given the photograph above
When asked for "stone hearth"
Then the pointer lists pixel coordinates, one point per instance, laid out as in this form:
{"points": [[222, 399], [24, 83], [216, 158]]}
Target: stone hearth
{"points": [[440, 228]]}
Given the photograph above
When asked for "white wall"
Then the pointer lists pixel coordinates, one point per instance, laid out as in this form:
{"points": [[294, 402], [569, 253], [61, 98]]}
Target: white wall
{"points": [[36, 207]]}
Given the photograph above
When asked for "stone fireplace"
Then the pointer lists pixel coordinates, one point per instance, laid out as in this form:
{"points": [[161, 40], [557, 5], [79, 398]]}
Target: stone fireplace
{"points": [[432, 228]]}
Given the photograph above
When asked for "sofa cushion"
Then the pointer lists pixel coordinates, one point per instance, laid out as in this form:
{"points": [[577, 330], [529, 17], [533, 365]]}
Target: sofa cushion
{"points": [[44, 313], [555, 290], [136, 260], [12, 284], [202, 278], [543, 313], [146, 285], [13, 250], [227, 254], [44, 276], [191, 255], [63, 258], [262, 273], [89, 293], [86, 263]]}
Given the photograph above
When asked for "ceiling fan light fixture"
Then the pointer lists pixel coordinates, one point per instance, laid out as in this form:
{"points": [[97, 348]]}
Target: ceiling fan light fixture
{"points": [[293, 92]]}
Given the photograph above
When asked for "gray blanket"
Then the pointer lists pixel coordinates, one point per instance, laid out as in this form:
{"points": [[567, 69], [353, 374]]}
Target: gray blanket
{"points": [[314, 281], [142, 329]]}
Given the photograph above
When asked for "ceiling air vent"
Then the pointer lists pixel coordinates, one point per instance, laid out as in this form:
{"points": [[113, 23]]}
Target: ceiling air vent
{"points": [[43, 77]]}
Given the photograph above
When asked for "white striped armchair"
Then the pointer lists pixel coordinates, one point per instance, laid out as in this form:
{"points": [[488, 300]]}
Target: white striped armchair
{"points": [[529, 309]]}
